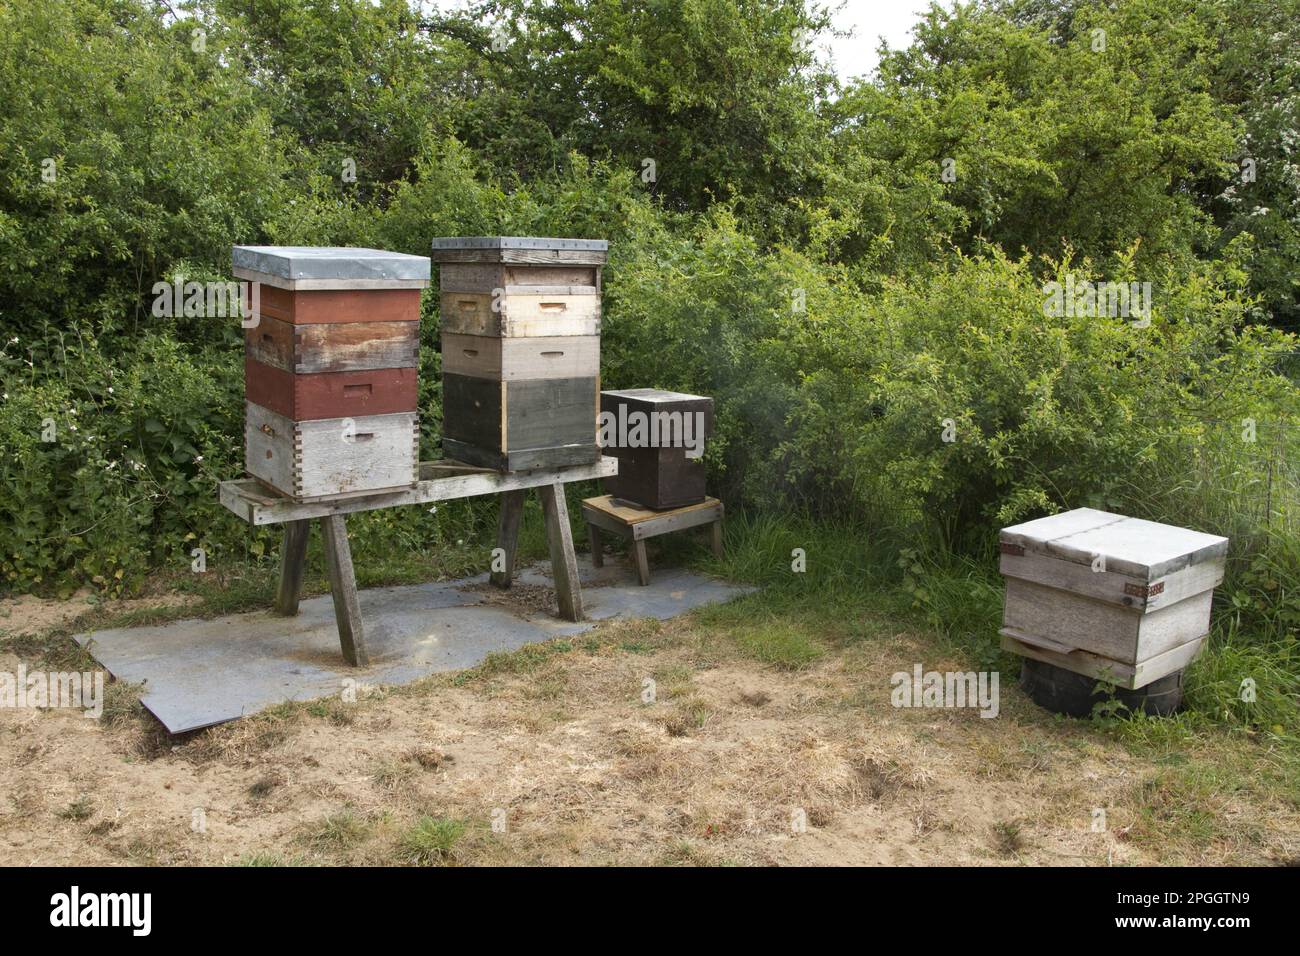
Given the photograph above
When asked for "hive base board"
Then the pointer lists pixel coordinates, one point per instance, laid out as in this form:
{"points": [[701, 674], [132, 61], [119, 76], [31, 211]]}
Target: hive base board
{"points": [[1131, 676], [320, 499], [521, 459]]}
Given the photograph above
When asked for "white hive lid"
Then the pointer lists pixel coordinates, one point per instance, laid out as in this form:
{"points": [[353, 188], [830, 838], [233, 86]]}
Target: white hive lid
{"points": [[1145, 549]]}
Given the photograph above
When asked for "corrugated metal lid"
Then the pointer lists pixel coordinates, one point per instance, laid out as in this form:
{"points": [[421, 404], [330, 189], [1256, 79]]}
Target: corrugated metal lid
{"points": [[330, 262], [656, 395], [522, 242], [1145, 549], [522, 250]]}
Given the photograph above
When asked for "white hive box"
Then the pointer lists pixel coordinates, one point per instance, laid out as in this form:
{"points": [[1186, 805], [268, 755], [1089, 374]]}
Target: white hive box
{"points": [[1113, 597]]}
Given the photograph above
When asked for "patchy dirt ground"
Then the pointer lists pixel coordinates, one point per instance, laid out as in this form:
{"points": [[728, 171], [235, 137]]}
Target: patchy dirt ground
{"points": [[552, 755], [27, 614]]}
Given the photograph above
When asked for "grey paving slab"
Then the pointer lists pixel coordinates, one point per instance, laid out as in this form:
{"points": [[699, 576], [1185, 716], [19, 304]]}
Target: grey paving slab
{"points": [[197, 672]]}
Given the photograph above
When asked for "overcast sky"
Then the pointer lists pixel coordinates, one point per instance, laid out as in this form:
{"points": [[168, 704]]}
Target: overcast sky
{"points": [[869, 20]]}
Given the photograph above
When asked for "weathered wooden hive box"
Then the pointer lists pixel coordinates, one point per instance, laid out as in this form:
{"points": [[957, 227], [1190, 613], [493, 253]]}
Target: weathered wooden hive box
{"points": [[669, 472], [1116, 598], [331, 369], [520, 322]]}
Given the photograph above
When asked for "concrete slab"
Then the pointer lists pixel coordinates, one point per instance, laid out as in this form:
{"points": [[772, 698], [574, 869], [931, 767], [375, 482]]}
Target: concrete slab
{"points": [[197, 673]]}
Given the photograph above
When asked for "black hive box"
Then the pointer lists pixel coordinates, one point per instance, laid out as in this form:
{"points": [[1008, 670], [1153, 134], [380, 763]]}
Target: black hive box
{"points": [[669, 473]]}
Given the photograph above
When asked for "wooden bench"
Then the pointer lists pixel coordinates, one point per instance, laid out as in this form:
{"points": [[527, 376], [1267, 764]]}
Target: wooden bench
{"points": [[637, 524], [257, 504]]}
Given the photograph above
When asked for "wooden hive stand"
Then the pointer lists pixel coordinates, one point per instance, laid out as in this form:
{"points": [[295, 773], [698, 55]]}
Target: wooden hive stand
{"points": [[257, 504], [637, 524]]}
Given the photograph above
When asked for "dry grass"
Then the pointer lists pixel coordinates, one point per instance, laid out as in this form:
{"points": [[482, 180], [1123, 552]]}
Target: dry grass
{"points": [[554, 755]]}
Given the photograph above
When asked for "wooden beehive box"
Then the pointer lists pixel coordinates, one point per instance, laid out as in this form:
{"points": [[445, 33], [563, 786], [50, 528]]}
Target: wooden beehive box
{"points": [[520, 323], [668, 474], [331, 369], [1113, 597]]}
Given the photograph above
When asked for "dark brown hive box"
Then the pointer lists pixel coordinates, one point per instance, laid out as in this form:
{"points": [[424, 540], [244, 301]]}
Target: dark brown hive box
{"points": [[659, 477]]}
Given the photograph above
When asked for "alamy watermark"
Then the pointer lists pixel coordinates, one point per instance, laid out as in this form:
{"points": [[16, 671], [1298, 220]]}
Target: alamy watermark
{"points": [[1086, 299], [923, 688], [637, 429], [44, 690], [211, 300]]}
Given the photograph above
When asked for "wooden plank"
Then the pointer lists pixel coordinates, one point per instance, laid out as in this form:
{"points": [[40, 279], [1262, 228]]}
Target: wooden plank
{"points": [[529, 459], [550, 412], [639, 524], [564, 563], [558, 456], [512, 510], [247, 500], [631, 512], [593, 538], [293, 563], [715, 537], [354, 346], [372, 391], [343, 587], [642, 562], [606, 521], [512, 359], [271, 342]]}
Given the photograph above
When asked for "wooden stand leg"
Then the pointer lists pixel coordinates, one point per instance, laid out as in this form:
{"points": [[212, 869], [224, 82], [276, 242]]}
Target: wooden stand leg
{"points": [[293, 563], [642, 561], [716, 534], [593, 535], [564, 563], [343, 586], [512, 510]]}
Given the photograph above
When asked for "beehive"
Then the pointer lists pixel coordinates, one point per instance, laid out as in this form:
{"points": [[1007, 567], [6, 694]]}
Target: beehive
{"points": [[520, 322], [1113, 597], [330, 369], [658, 468]]}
